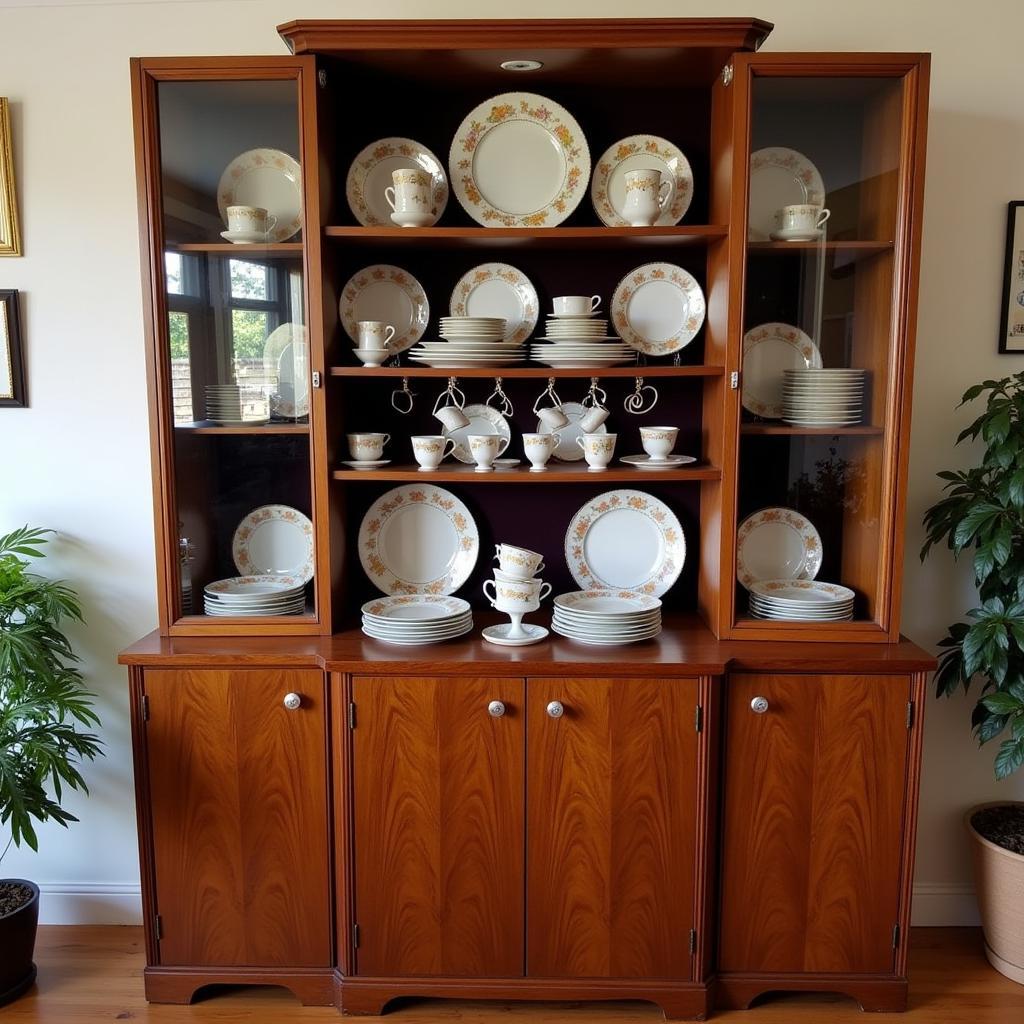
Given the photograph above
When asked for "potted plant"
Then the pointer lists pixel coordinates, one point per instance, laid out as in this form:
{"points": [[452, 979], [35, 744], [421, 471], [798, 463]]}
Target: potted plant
{"points": [[43, 706], [983, 512]]}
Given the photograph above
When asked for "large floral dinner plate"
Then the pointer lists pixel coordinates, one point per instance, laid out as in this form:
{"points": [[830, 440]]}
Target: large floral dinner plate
{"points": [[387, 293], [777, 544], [269, 178]]}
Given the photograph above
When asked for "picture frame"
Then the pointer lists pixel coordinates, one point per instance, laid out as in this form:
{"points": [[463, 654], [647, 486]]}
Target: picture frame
{"points": [[10, 234], [12, 362], [1011, 321]]}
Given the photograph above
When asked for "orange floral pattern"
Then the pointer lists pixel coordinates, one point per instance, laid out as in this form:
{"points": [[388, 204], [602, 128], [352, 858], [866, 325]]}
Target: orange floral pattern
{"points": [[693, 304], [414, 156], [808, 538], [240, 544], [233, 179], [665, 157], [764, 397], [405, 335], [516, 280]]}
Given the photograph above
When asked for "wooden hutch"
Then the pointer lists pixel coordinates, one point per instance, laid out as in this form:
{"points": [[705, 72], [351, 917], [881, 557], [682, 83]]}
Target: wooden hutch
{"points": [[660, 841]]}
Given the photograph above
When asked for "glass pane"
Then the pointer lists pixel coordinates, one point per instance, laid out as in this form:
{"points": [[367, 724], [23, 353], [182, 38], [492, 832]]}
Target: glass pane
{"points": [[236, 338], [816, 362]]}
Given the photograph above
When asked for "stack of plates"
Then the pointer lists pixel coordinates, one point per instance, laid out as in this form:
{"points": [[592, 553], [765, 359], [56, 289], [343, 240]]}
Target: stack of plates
{"points": [[416, 618], [255, 596], [469, 341], [576, 328], [822, 398], [225, 405], [606, 616], [473, 328], [580, 341], [803, 600]]}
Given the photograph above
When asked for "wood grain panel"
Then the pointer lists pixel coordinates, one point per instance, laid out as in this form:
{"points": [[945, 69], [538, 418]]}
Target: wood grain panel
{"points": [[612, 818], [240, 819], [438, 827], [813, 820]]}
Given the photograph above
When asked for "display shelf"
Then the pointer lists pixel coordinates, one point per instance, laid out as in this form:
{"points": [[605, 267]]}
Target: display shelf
{"points": [[556, 473], [205, 427], [781, 429], [853, 249], [272, 250], [527, 372], [546, 238]]}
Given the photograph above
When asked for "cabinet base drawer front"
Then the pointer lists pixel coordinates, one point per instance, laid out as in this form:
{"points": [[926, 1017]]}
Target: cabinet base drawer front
{"points": [[312, 986], [678, 1000], [874, 994]]}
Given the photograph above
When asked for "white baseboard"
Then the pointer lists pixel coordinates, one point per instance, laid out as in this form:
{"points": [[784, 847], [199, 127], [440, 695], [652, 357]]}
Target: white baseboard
{"points": [[944, 903], [90, 903]]}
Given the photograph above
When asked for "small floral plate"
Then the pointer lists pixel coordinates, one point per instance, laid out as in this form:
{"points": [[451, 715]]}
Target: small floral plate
{"points": [[777, 544], [768, 351], [370, 175], [274, 540], [636, 152], [658, 308]]}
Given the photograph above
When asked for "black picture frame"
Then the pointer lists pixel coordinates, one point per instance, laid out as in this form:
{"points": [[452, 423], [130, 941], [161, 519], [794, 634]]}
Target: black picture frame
{"points": [[1011, 320], [11, 351]]}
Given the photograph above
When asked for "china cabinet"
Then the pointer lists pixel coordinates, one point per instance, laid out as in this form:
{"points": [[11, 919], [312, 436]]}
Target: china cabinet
{"points": [[723, 808]]}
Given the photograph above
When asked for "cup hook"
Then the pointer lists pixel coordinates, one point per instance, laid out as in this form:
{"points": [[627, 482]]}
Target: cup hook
{"points": [[550, 392], [596, 395], [504, 405], [637, 402], [402, 397]]}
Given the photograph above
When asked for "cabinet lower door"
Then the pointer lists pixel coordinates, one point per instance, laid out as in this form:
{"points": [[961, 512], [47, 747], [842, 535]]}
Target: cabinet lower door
{"points": [[438, 805], [238, 788], [812, 843], [612, 831]]}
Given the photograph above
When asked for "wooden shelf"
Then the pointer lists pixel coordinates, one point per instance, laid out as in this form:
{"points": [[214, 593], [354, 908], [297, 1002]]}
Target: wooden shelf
{"points": [[556, 473], [546, 238], [272, 250], [265, 428], [512, 372], [766, 429], [849, 250]]}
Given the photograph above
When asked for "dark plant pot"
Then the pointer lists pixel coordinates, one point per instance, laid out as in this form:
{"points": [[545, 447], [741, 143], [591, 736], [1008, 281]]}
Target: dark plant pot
{"points": [[18, 942]]}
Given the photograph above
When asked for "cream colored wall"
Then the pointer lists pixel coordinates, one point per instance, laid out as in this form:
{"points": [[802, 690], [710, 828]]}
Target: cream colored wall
{"points": [[77, 459]]}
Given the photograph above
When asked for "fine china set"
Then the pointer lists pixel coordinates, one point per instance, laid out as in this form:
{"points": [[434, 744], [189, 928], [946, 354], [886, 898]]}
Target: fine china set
{"points": [[516, 590], [577, 337], [606, 617], [471, 341], [787, 197], [226, 406], [413, 619], [822, 397], [367, 450], [259, 197], [801, 600]]}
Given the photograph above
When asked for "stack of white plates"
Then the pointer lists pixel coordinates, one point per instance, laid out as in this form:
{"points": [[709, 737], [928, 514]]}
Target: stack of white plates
{"points": [[225, 405], [822, 397], [473, 328], [803, 600], [606, 617], [580, 341], [576, 328], [416, 618], [469, 341], [255, 596]]}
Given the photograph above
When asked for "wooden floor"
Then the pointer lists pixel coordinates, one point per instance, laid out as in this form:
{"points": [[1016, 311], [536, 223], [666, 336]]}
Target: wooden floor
{"points": [[94, 974]]}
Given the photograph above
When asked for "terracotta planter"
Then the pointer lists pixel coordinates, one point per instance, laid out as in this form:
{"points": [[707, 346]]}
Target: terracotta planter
{"points": [[999, 884], [18, 942]]}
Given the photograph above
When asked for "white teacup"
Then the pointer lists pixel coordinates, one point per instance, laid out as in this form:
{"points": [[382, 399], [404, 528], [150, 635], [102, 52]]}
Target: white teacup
{"points": [[593, 418], [575, 305], [517, 595], [552, 417], [371, 356], [367, 447], [538, 449], [647, 192], [520, 563], [658, 442], [598, 449], [430, 450], [250, 220], [801, 219], [452, 417], [410, 197], [485, 448], [374, 334]]}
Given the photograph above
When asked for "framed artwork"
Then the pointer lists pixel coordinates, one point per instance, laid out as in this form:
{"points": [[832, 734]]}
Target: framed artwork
{"points": [[10, 237], [12, 365], [1011, 324]]}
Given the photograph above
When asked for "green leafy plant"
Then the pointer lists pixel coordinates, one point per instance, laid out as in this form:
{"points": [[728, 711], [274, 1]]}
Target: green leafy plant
{"points": [[983, 512], [43, 703]]}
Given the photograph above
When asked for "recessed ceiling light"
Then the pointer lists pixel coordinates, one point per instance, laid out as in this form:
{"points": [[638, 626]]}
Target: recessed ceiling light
{"points": [[521, 65]]}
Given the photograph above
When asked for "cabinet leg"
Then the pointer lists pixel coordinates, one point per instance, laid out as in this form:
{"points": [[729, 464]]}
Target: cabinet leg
{"points": [[875, 995], [361, 1001]]}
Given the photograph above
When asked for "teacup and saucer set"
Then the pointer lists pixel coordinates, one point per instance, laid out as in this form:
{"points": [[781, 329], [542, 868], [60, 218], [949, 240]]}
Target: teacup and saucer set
{"points": [[248, 225], [517, 590], [367, 450], [658, 443], [801, 222]]}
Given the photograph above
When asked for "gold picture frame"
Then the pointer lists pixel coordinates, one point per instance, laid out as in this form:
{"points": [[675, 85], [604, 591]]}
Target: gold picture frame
{"points": [[10, 236]]}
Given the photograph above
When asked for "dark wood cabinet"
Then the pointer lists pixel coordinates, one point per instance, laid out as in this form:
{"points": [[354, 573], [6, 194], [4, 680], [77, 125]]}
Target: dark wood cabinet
{"points": [[238, 807]]}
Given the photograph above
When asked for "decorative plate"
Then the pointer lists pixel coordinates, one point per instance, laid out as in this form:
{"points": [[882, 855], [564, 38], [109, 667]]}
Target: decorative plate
{"points": [[269, 178], [605, 603], [387, 293], [497, 289], [568, 450], [768, 350], [625, 540], [658, 308], [370, 174], [519, 160], [777, 544], [803, 591], [483, 419], [608, 188], [416, 608], [418, 539], [274, 540], [257, 587], [779, 177], [286, 356]]}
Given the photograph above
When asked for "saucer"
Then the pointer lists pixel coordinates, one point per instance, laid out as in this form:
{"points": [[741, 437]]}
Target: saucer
{"points": [[500, 635], [646, 462], [795, 236], [413, 220], [506, 463], [245, 237], [366, 464]]}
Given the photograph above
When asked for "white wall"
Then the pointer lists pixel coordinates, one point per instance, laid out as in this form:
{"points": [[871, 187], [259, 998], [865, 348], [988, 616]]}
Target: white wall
{"points": [[77, 459]]}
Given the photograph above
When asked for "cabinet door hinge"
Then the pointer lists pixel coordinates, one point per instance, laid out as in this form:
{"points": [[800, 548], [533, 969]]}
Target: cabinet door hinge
{"points": [[158, 927], [355, 936], [145, 707], [317, 379], [698, 719], [910, 714], [895, 936], [351, 714], [693, 940], [734, 380]]}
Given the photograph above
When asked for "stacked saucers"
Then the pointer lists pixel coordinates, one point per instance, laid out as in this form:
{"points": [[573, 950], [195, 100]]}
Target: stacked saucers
{"points": [[412, 619], [803, 600], [607, 617], [266, 594], [562, 328], [822, 397], [473, 328], [469, 341]]}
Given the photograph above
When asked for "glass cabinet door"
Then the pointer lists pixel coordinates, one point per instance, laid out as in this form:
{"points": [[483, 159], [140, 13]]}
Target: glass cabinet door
{"points": [[227, 217], [823, 346]]}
